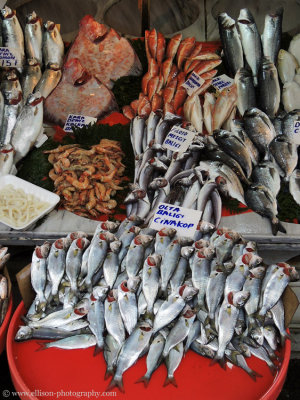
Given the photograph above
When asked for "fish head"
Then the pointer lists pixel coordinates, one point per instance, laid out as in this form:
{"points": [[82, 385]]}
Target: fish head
{"points": [[24, 333], [258, 272], [185, 241], [110, 237], [227, 267], [110, 226], [99, 293], [240, 298], [188, 312], [258, 335], [7, 12], [170, 232], [32, 62], [146, 326], [205, 227], [112, 295], [251, 247], [34, 99], [82, 307], [245, 17], [208, 252], [158, 183], [187, 251], [226, 21], [245, 349], [135, 229], [154, 260], [187, 292], [115, 246], [255, 260], [133, 283], [145, 240], [82, 243]]}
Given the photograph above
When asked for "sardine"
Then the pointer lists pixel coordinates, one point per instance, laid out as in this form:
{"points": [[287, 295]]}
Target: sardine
{"points": [[34, 37], [268, 88], [113, 320], [49, 80], [150, 279], [245, 90], [71, 343], [128, 303], [271, 37], [111, 263]]}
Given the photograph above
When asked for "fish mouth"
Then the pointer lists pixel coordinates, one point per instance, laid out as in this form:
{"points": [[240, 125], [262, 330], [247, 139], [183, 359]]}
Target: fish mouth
{"points": [[84, 78], [32, 18], [49, 25], [6, 13]]}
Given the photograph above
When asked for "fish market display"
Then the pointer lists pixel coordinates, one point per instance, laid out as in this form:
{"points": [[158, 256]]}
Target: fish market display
{"points": [[169, 66], [86, 180], [164, 295], [4, 257]]}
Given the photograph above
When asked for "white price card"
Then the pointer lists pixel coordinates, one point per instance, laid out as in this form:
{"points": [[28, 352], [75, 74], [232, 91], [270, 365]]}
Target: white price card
{"points": [[178, 139], [77, 121], [184, 220], [222, 82], [193, 83], [8, 58], [296, 132]]}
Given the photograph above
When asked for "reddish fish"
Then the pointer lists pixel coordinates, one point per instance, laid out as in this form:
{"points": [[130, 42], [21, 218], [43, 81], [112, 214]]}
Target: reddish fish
{"points": [[166, 68], [134, 105], [174, 72], [145, 81], [128, 112], [153, 68], [147, 45], [184, 50], [161, 48], [152, 43], [173, 46], [194, 53], [152, 86], [169, 90], [179, 97], [157, 102], [210, 74], [206, 66], [144, 107]]}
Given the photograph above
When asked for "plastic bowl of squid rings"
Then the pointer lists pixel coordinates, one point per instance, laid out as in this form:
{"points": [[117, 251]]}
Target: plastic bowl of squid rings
{"points": [[23, 203]]}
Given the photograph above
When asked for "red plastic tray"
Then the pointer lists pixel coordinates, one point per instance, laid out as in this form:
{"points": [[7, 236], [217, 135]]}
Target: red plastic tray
{"points": [[75, 371], [4, 326]]}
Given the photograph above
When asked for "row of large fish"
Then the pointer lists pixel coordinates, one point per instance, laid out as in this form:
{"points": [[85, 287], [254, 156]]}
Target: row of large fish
{"points": [[132, 291], [40, 53]]}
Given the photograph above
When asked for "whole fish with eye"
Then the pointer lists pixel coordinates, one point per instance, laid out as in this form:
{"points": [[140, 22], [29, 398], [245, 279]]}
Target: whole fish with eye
{"points": [[53, 45], [179, 274], [285, 154], [95, 315], [39, 274], [237, 129], [261, 200], [245, 90], [135, 254], [231, 43], [271, 37], [12, 34], [111, 263], [34, 37], [266, 174], [113, 320], [25, 333], [28, 126], [128, 303], [172, 362], [251, 41], [260, 129], [110, 353], [73, 261], [71, 343], [150, 279]]}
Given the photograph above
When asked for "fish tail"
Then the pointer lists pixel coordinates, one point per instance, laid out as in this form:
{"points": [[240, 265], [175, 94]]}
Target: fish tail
{"points": [[277, 226], [43, 346], [116, 383], [144, 379], [219, 358], [273, 368], [40, 306], [98, 349], [285, 336], [170, 379], [253, 374], [108, 373]]}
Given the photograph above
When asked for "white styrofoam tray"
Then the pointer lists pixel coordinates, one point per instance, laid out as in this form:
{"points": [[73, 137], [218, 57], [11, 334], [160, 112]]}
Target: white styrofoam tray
{"points": [[29, 188]]}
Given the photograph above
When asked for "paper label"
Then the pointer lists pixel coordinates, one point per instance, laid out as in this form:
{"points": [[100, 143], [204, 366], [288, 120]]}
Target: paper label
{"points": [[178, 139], [222, 82], [184, 220], [296, 132], [8, 58], [193, 83], [78, 121]]}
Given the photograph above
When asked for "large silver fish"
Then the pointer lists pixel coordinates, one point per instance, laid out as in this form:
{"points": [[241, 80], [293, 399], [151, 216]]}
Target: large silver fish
{"points": [[266, 173], [57, 263], [268, 88], [111, 263], [128, 302], [172, 362], [251, 42], [70, 343], [271, 37], [12, 34], [231, 43], [34, 37], [95, 315], [32, 75], [150, 279], [285, 154], [245, 90], [53, 45], [28, 126], [38, 273], [73, 261], [113, 320], [110, 353]]}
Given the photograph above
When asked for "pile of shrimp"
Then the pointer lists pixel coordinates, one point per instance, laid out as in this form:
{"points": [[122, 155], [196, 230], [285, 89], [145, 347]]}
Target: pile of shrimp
{"points": [[86, 180], [169, 66]]}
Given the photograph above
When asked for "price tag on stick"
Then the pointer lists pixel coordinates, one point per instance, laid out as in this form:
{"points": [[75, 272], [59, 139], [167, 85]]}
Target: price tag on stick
{"points": [[184, 220]]}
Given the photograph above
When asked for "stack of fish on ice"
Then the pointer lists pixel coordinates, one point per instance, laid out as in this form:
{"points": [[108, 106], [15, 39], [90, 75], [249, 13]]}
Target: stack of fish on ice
{"points": [[133, 291], [4, 257], [39, 51]]}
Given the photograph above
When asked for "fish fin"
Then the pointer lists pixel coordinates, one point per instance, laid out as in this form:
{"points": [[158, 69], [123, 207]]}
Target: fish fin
{"points": [[171, 380], [284, 337], [116, 383], [25, 320], [108, 373], [97, 350], [221, 361], [253, 375], [143, 380], [277, 226], [273, 368], [43, 346]]}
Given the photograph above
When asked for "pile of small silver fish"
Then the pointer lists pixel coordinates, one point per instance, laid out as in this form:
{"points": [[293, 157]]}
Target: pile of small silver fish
{"points": [[133, 291], [4, 257], [23, 89]]}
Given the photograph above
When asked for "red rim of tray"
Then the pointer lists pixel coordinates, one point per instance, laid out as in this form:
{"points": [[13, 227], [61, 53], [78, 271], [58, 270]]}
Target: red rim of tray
{"points": [[232, 383], [4, 326]]}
